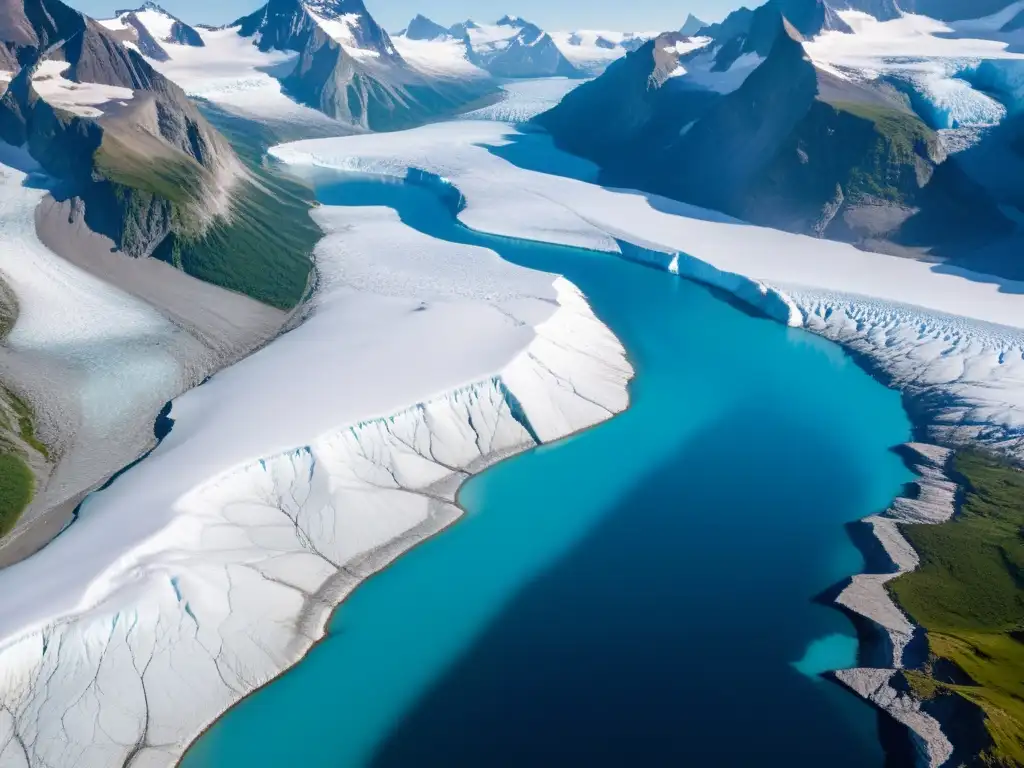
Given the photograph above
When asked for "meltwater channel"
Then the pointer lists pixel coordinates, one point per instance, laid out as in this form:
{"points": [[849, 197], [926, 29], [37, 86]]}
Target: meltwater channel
{"points": [[642, 593]]}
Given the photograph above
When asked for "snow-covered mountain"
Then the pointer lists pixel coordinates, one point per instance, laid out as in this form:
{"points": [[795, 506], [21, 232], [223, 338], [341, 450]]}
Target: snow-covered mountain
{"points": [[889, 133], [591, 50], [148, 26], [513, 47], [350, 69]]}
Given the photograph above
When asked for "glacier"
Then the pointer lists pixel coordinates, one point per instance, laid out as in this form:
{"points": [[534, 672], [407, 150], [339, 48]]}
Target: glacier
{"points": [[950, 339], [213, 565]]}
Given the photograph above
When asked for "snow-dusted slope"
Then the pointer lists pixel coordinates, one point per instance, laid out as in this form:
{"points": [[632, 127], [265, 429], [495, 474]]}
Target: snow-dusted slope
{"points": [[949, 338], [232, 73], [513, 47], [591, 51], [420, 363], [95, 363], [149, 27]]}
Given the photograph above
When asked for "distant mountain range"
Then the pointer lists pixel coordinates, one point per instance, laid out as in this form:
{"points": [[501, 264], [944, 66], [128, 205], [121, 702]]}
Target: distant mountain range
{"points": [[740, 118], [515, 48]]}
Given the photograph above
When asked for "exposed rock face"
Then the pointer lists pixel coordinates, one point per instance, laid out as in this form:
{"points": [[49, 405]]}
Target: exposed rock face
{"points": [[145, 170], [515, 48], [792, 146], [531, 53], [691, 26], [954, 10], [883, 10], [349, 69], [288, 25], [933, 502], [422, 28]]}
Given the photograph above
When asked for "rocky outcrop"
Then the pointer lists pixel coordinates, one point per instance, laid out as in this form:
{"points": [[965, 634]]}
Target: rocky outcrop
{"points": [[349, 69], [147, 170], [932, 500], [422, 28], [691, 26]]}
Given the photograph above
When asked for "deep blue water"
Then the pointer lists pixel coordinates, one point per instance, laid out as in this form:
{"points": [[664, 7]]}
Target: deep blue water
{"points": [[639, 594]]}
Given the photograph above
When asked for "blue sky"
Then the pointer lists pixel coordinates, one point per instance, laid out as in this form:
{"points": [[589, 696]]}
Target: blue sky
{"points": [[622, 15]]}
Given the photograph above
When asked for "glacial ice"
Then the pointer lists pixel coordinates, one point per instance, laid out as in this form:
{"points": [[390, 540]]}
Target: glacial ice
{"points": [[75, 339], [212, 566], [523, 100], [966, 378]]}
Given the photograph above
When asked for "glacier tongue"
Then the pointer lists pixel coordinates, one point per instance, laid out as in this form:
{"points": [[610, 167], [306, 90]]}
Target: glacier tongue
{"points": [[213, 565]]}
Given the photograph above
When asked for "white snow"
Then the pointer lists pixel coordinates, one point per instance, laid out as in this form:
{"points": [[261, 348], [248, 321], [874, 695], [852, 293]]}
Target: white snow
{"points": [[158, 23], [78, 98], [581, 47], [441, 57], [960, 75], [525, 99], [340, 29], [98, 358], [211, 566], [699, 72], [910, 36], [491, 37], [234, 74]]}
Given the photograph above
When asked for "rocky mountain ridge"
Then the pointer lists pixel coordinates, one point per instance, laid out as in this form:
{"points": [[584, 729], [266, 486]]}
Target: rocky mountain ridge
{"points": [[791, 146]]}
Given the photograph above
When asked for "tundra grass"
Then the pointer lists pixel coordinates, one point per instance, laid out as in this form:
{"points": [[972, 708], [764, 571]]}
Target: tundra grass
{"points": [[969, 595], [17, 485]]}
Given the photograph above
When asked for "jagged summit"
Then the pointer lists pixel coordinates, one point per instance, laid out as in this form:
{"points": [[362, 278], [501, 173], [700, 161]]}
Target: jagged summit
{"points": [[691, 26], [148, 26], [149, 5], [748, 124], [513, 47], [289, 25], [422, 28]]}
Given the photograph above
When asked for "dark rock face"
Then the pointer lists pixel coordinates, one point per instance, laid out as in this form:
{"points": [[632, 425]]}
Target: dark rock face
{"points": [[792, 147], [287, 25], [883, 10], [136, 170], [955, 10], [531, 53], [383, 94], [143, 39], [691, 26], [181, 33], [422, 28]]}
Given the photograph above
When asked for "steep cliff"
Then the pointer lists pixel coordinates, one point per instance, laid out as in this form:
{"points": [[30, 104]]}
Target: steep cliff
{"points": [[349, 68]]}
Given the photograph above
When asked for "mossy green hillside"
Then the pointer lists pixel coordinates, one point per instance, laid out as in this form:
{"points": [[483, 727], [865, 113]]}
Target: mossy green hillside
{"points": [[969, 595], [17, 484], [264, 249]]}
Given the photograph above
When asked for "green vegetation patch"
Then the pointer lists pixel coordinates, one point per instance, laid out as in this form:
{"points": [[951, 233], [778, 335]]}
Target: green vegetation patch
{"points": [[26, 424], [969, 595], [264, 251], [17, 485], [887, 167], [171, 179]]}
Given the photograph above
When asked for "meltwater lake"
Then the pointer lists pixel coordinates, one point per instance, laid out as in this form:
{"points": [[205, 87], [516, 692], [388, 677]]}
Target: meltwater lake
{"points": [[642, 593]]}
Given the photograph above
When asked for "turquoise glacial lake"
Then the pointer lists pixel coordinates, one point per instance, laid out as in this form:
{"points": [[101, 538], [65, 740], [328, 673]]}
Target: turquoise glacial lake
{"points": [[642, 593]]}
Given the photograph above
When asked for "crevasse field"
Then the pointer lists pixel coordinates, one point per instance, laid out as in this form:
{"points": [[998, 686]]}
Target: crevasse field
{"points": [[213, 565]]}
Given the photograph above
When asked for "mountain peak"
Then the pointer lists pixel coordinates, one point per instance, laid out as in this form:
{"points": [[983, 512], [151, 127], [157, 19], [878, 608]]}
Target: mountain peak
{"points": [[691, 26], [149, 5], [512, 21], [422, 28]]}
